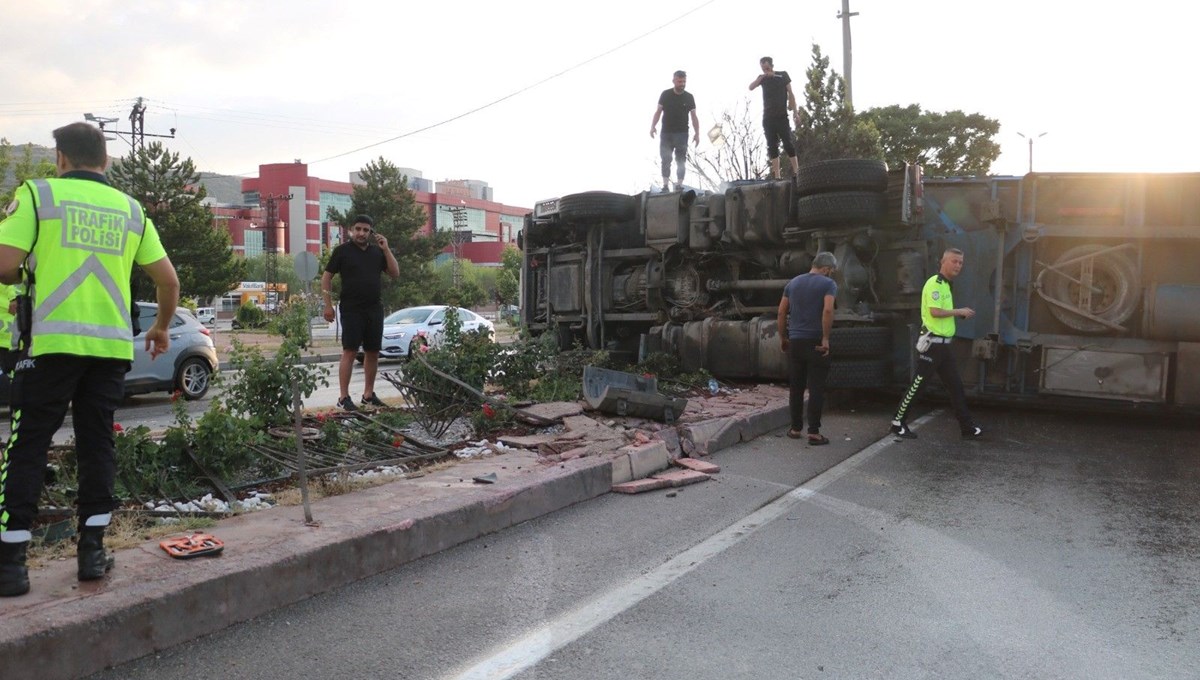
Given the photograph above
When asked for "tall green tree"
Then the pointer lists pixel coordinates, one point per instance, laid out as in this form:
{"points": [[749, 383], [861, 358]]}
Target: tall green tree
{"points": [[169, 189], [508, 281], [385, 196], [26, 167], [946, 144], [826, 126]]}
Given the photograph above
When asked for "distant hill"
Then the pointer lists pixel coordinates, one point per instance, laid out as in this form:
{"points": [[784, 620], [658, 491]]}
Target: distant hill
{"points": [[223, 189]]}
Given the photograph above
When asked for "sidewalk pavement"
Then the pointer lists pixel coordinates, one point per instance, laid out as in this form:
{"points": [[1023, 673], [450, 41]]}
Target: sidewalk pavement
{"points": [[66, 629]]}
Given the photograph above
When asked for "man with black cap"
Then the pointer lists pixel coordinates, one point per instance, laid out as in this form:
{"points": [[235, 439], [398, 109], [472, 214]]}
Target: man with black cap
{"points": [[805, 321]]}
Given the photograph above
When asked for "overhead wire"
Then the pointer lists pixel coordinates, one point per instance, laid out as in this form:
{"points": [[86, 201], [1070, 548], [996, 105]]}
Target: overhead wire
{"points": [[524, 89]]}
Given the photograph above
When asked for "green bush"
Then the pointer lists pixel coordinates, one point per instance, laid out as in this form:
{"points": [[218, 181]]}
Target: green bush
{"points": [[469, 357], [250, 315], [261, 387]]}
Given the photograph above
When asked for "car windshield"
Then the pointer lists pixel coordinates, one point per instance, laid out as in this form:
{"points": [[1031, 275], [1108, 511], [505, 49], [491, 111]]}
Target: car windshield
{"points": [[410, 315]]}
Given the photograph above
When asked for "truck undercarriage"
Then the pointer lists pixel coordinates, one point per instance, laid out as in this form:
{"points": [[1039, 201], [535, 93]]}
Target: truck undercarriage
{"points": [[1085, 286]]}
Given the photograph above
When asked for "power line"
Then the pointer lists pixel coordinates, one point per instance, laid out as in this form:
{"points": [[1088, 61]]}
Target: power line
{"points": [[524, 89]]}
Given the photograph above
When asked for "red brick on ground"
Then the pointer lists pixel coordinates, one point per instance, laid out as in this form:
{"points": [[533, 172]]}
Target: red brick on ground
{"points": [[640, 485], [697, 465], [681, 477]]}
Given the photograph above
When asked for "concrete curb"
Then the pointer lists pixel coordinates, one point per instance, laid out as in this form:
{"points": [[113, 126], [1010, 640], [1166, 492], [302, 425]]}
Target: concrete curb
{"points": [[709, 436], [272, 559]]}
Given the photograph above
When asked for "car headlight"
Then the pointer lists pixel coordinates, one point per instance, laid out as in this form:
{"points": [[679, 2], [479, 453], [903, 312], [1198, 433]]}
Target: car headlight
{"points": [[394, 336]]}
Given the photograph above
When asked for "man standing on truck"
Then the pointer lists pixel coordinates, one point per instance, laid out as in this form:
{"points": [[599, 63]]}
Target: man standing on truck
{"points": [[778, 100], [674, 106], [805, 321], [937, 321]]}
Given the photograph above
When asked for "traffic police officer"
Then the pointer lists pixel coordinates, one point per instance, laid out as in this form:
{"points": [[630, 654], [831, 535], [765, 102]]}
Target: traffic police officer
{"points": [[937, 317], [73, 241]]}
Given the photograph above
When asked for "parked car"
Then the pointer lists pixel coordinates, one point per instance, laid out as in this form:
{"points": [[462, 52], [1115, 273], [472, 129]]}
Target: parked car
{"points": [[206, 316], [186, 366], [409, 328]]}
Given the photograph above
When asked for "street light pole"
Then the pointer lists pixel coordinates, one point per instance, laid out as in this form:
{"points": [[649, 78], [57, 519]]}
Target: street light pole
{"points": [[1031, 138]]}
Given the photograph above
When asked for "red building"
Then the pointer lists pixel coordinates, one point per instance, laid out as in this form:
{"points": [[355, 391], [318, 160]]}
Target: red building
{"points": [[301, 206]]}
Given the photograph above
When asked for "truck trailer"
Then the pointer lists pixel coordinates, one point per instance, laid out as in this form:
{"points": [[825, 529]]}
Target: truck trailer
{"points": [[1086, 286]]}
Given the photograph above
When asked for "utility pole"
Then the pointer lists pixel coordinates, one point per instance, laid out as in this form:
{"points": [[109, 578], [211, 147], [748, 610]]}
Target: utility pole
{"points": [[1031, 138], [458, 237], [270, 263], [137, 126], [845, 15]]}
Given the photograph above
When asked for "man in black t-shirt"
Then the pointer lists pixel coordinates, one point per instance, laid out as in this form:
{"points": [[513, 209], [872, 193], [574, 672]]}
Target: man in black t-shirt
{"points": [[674, 105], [778, 100], [359, 262]]}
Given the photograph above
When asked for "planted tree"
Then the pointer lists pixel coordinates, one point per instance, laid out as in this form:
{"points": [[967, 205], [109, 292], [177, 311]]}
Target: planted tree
{"points": [[508, 281], [385, 196], [169, 189], [826, 126]]}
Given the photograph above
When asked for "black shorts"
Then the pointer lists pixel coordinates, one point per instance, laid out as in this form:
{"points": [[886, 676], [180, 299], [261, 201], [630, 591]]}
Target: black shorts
{"points": [[362, 327]]}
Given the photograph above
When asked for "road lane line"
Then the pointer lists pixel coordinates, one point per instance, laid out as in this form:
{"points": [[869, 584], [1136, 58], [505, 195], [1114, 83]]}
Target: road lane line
{"points": [[529, 650]]}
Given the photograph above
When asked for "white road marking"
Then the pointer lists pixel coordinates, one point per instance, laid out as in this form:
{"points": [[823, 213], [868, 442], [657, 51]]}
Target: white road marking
{"points": [[527, 651]]}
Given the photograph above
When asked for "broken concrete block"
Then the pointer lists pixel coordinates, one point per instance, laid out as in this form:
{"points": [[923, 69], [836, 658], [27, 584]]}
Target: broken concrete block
{"points": [[682, 477], [697, 465], [640, 485]]}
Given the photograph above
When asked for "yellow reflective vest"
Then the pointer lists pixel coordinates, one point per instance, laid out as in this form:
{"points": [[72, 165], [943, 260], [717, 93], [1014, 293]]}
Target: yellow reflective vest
{"points": [[83, 238], [937, 293]]}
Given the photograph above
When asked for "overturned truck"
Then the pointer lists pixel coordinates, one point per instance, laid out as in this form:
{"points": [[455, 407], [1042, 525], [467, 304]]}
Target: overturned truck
{"points": [[1086, 287]]}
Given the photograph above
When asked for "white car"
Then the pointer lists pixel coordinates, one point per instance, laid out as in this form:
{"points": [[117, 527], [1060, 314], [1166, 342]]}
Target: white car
{"points": [[206, 316], [407, 329]]}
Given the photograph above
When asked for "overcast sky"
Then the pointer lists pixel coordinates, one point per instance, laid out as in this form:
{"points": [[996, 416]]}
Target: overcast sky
{"points": [[541, 99]]}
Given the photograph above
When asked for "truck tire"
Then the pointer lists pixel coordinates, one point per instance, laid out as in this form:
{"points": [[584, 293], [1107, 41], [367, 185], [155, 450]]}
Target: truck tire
{"points": [[862, 374], [840, 208], [846, 174], [597, 205], [867, 341], [1113, 273]]}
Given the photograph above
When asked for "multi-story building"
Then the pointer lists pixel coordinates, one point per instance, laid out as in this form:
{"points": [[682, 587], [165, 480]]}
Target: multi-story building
{"points": [[300, 205]]}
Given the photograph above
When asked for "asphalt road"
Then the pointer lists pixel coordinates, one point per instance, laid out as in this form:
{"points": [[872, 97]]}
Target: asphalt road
{"points": [[1063, 546]]}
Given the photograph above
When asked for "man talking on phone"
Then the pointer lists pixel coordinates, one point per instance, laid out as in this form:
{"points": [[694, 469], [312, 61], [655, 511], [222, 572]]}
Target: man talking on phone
{"points": [[359, 262]]}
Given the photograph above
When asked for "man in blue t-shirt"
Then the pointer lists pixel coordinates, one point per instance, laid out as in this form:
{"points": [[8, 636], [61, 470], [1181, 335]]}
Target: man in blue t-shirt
{"points": [[805, 320]]}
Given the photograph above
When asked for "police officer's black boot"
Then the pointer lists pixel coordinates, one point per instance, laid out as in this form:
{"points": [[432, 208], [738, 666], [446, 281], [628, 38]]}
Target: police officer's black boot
{"points": [[14, 575], [93, 561]]}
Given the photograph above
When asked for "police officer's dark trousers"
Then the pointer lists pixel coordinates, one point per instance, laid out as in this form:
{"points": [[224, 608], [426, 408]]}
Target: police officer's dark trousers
{"points": [[43, 388], [807, 368], [939, 360]]}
